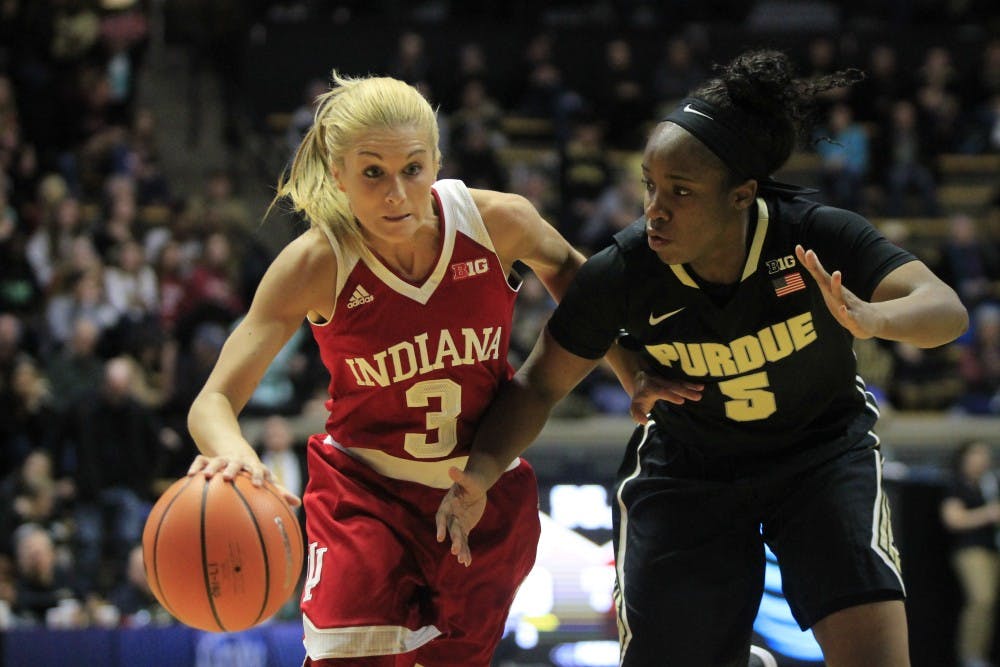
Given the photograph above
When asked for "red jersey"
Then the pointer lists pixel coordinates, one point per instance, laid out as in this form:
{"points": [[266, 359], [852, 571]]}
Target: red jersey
{"points": [[413, 366]]}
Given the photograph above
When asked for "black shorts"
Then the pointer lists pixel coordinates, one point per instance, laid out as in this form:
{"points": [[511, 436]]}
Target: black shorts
{"points": [[690, 550]]}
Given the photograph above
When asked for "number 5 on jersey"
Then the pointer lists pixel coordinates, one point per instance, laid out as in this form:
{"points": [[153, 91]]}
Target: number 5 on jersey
{"points": [[749, 397]]}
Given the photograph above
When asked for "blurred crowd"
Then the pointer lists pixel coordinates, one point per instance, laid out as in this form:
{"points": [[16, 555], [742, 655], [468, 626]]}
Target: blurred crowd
{"points": [[117, 288]]}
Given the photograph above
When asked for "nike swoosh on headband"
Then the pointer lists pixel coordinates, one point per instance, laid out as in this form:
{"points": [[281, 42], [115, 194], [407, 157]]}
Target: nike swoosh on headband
{"points": [[690, 109], [653, 320]]}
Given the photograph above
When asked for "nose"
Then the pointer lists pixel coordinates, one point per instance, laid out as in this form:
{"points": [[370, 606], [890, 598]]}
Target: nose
{"points": [[394, 195], [654, 211]]}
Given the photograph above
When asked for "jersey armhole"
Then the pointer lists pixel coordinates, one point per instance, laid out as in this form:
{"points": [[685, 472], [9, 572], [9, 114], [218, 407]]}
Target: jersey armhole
{"points": [[343, 270]]}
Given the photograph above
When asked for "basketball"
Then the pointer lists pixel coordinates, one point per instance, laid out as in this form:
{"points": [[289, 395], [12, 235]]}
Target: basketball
{"points": [[222, 556]]}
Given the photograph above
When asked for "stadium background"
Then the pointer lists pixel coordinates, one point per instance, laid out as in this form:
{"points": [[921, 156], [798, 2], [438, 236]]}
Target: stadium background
{"points": [[155, 131]]}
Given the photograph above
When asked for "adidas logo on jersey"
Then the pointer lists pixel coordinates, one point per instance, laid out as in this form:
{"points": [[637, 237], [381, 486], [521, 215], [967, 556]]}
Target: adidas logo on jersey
{"points": [[359, 296]]}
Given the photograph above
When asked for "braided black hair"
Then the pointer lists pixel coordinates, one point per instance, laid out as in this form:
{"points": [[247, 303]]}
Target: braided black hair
{"points": [[777, 106]]}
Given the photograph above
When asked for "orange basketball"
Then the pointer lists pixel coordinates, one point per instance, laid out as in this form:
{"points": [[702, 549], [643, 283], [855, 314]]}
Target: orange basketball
{"points": [[222, 556]]}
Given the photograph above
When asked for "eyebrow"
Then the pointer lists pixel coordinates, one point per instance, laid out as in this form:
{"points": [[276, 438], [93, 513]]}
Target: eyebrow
{"points": [[409, 155], [676, 177]]}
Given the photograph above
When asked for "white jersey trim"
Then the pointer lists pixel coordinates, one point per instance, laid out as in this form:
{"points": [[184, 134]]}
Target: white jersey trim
{"points": [[753, 255], [624, 629], [453, 209], [345, 265], [429, 473], [364, 640]]}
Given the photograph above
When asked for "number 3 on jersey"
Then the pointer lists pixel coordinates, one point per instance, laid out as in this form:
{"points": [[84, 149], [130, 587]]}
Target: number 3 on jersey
{"points": [[749, 397], [444, 421]]}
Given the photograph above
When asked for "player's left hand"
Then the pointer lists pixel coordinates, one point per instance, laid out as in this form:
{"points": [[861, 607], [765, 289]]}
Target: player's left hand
{"points": [[857, 316], [460, 510]]}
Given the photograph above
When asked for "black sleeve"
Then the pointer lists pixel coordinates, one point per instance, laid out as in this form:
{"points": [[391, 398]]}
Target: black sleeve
{"points": [[589, 317], [847, 242]]}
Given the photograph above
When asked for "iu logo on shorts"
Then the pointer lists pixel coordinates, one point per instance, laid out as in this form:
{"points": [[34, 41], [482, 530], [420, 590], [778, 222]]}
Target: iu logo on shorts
{"points": [[313, 570]]}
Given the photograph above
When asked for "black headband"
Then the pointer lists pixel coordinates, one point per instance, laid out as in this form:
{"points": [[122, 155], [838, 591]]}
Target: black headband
{"points": [[721, 131]]}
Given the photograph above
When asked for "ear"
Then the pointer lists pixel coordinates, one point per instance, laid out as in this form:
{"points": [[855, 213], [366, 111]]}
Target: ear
{"points": [[335, 174], [744, 194]]}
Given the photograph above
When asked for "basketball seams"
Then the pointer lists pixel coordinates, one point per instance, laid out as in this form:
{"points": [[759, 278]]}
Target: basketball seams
{"points": [[204, 558], [200, 521], [293, 521], [263, 550], [156, 542]]}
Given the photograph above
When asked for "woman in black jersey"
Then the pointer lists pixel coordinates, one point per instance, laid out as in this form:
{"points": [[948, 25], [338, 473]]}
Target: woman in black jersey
{"points": [[970, 510], [742, 299]]}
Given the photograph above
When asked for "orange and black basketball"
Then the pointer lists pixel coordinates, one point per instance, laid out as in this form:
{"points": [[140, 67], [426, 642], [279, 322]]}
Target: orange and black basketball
{"points": [[222, 556]]}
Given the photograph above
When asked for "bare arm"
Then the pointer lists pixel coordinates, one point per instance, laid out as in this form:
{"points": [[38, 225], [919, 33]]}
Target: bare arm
{"points": [[512, 422], [956, 516], [520, 233], [911, 304], [299, 280]]}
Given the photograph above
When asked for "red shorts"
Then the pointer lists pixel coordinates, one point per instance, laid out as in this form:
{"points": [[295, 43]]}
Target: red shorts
{"points": [[379, 583]]}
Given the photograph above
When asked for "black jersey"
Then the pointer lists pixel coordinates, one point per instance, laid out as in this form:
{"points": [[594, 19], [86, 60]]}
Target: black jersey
{"points": [[779, 370]]}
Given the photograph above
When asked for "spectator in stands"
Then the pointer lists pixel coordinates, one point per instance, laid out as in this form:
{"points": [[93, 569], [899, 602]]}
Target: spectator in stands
{"points": [[43, 584], [132, 597], [872, 98], [842, 146], [27, 415], [76, 368], [478, 109], [171, 279], [543, 93], [212, 292], [410, 61], [471, 66], [971, 512], [218, 208], [31, 494], [302, 116], [130, 284], [969, 263], [48, 249], [677, 72], [119, 221], [83, 297], [924, 379], [116, 442], [620, 97], [19, 290], [284, 457], [616, 208], [477, 159], [585, 172], [980, 362], [981, 131], [905, 161]]}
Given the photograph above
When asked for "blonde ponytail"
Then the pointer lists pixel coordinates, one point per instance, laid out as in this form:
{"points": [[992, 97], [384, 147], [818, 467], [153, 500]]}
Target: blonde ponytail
{"points": [[352, 107]]}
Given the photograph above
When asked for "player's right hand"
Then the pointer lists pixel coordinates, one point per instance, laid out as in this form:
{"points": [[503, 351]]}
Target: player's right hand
{"points": [[650, 388], [460, 510], [230, 466]]}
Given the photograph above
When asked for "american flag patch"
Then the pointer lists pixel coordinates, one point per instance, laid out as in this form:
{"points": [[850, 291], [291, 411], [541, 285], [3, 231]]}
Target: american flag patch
{"points": [[788, 283]]}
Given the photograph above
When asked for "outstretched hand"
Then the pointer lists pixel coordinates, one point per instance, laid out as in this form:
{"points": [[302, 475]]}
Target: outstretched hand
{"points": [[857, 316], [460, 510], [650, 388]]}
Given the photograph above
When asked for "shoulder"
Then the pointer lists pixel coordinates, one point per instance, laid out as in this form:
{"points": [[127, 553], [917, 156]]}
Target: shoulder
{"points": [[310, 251], [502, 208], [632, 239], [811, 215], [305, 269]]}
